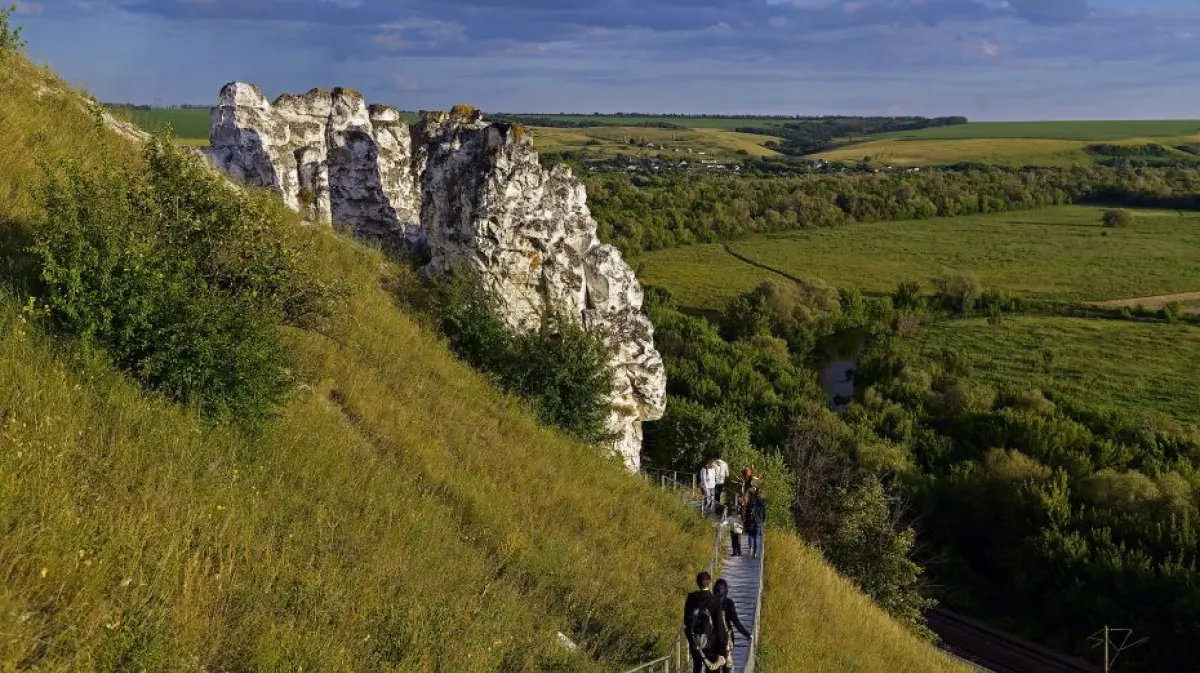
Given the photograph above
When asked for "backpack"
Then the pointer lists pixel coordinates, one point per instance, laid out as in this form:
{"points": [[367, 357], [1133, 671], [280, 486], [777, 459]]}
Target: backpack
{"points": [[701, 630]]}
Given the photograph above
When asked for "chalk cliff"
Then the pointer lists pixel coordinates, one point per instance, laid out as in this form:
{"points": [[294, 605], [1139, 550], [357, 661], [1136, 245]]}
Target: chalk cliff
{"points": [[462, 193]]}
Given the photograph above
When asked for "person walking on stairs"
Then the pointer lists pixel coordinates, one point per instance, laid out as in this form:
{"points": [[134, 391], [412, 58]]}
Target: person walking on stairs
{"points": [[729, 611], [735, 538], [756, 516], [704, 625], [708, 484], [721, 469]]}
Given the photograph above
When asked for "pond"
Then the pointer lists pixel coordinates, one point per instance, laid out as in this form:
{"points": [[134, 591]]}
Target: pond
{"points": [[837, 357]]}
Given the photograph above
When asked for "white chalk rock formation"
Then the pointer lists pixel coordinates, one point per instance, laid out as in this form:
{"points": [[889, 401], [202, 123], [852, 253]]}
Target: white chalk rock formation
{"points": [[464, 194]]}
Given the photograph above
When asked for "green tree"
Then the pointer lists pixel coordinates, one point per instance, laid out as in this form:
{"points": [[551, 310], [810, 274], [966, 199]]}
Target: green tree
{"points": [[11, 41]]}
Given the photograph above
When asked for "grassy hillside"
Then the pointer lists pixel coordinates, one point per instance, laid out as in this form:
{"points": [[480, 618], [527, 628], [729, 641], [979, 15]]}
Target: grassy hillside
{"points": [[398, 514], [1103, 363], [1059, 253], [814, 620]]}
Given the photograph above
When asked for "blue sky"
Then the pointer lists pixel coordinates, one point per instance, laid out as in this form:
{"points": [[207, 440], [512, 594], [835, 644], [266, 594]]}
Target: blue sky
{"points": [[986, 59]]}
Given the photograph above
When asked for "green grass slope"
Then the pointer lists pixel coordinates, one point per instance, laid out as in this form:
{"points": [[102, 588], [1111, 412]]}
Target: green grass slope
{"points": [[399, 513]]}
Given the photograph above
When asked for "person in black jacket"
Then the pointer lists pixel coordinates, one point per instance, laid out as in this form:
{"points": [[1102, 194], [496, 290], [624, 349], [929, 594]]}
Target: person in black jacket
{"points": [[703, 599], [729, 612]]}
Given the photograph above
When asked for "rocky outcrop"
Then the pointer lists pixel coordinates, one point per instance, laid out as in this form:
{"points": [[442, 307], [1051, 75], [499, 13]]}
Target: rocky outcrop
{"points": [[463, 194]]}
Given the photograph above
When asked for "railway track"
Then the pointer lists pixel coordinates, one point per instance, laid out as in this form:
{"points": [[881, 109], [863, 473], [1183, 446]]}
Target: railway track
{"points": [[994, 650]]}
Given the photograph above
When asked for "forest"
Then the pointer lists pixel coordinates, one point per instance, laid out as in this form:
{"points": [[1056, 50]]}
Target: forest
{"points": [[1023, 506], [638, 213]]}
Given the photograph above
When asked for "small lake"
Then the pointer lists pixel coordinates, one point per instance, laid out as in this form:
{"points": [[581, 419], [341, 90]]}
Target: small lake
{"points": [[837, 358]]}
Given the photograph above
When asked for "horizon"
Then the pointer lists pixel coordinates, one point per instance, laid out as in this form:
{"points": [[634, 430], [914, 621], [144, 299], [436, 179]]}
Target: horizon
{"points": [[987, 60]]}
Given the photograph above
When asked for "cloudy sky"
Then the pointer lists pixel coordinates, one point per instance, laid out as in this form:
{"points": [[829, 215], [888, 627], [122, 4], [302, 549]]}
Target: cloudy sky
{"points": [[986, 59]]}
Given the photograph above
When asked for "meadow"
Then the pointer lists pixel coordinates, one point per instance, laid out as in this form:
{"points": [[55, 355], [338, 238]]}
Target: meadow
{"points": [[684, 121], [1055, 253], [186, 123], [399, 513], [1107, 364], [607, 141]]}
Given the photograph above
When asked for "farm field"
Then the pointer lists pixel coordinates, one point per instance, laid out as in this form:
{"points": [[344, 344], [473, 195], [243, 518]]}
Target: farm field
{"points": [[1089, 131], [1105, 363], [1054, 143], [601, 141], [1053, 253], [186, 123], [725, 123]]}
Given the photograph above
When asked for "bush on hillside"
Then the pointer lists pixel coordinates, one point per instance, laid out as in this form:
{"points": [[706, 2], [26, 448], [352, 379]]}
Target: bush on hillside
{"points": [[560, 369], [11, 41], [1118, 217], [179, 279]]}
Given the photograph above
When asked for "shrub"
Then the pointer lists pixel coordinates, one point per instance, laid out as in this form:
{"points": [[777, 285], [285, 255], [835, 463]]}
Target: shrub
{"points": [[561, 370], [463, 111], [907, 295], [1118, 217], [1172, 312], [11, 41], [958, 292], [178, 278]]}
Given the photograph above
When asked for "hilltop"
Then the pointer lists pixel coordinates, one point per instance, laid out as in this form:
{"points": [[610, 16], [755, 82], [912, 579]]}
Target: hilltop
{"points": [[398, 513]]}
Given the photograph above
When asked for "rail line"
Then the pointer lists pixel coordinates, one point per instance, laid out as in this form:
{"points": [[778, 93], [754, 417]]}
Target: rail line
{"points": [[997, 651]]}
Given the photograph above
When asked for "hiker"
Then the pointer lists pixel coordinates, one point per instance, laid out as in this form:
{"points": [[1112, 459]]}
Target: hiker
{"points": [[708, 484], [756, 516], [704, 624], [729, 611], [735, 538], [722, 475], [747, 477]]}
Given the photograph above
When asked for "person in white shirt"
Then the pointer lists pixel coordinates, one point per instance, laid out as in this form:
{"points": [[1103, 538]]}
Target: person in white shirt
{"points": [[708, 484], [722, 475]]}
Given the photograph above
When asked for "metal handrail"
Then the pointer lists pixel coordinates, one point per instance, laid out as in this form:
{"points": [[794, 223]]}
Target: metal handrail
{"points": [[762, 553], [678, 652]]}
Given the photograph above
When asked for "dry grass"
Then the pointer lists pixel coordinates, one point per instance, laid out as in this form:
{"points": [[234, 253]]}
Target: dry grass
{"points": [[399, 515], [815, 621]]}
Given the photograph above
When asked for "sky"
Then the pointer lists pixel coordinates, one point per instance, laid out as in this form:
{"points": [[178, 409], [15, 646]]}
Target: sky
{"points": [[984, 59]]}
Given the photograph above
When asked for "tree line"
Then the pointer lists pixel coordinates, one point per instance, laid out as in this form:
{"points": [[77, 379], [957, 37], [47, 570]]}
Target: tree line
{"points": [[640, 213], [817, 134]]}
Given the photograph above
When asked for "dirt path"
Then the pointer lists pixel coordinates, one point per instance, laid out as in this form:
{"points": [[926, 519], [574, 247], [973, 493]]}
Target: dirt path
{"points": [[1152, 302]]}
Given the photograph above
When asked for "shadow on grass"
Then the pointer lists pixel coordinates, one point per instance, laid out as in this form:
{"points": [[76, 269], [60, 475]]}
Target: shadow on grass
{"points": [[20, 270]]}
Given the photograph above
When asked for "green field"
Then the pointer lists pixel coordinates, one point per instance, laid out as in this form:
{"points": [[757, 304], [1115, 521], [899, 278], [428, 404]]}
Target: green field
{"points": [[693, 144], [191, 124], [1055, 253], [1093, 131], [1104, 363], [727, 123]]}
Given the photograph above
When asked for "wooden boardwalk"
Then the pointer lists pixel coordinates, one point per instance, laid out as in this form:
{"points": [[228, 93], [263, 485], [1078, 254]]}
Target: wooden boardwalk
{"points": [[743, 574]]}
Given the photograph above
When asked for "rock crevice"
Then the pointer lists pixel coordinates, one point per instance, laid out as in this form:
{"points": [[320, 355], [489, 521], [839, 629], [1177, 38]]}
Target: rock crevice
{"points": [[463, 194]]}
